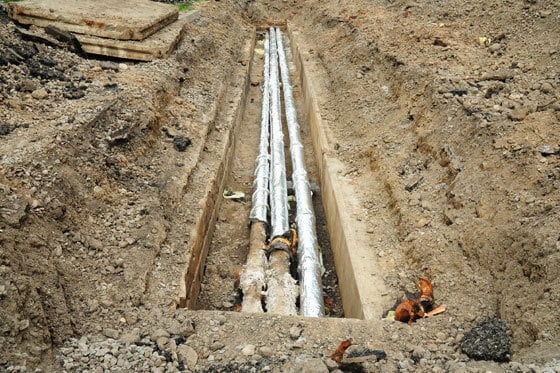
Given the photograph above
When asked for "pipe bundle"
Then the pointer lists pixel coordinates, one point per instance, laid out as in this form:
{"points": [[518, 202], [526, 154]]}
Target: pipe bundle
{"points": [[271, 183]]}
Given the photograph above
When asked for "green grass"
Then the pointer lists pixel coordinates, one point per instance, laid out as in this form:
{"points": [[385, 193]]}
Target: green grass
{"points": [[10, 1], [183, 6]]}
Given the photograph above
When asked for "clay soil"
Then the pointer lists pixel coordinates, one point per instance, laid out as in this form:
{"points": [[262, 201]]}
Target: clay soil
{"points": [[445, 116]]}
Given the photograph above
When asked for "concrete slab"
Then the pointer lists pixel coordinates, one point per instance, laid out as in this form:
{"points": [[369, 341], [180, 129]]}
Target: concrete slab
{"points": [[122, 19], [158, 45]]}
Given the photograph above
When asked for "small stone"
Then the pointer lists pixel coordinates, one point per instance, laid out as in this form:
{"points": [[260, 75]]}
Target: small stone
{"points": [[495, 47], [158, 333], [313, 365], [161, 342], [359, 76], [23, 324], [519, 113], [28, 85], [331, 364], [266, 351], [248, 350], [123, 66], [546, 87], [39, 94], [295, 332], [418, 353], [131, 337], [218, 345], [187, 355], [111, 333], [181, 143]]}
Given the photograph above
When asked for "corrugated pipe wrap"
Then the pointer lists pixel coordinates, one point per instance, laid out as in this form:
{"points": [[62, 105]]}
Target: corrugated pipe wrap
{"points": [[278, 184], [309, 263], [260, 194]]}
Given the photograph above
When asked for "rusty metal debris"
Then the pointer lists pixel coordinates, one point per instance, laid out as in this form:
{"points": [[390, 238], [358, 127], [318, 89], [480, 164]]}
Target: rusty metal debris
{"points": [[341, 349], [415, 305]]}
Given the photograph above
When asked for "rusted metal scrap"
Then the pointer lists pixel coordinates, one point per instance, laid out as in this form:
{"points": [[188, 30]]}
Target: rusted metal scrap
{"points": [[417, 305], [342, 347]]}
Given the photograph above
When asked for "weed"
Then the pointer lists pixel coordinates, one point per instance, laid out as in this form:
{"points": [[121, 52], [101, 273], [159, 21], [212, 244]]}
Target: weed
{"points": [[184, 6]]}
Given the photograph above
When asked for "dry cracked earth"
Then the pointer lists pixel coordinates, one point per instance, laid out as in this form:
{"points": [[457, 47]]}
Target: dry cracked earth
{"points": [[444, 114]]}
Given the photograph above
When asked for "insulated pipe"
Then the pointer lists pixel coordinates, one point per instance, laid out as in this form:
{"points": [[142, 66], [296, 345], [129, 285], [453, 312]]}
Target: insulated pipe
{"points": [[282, 289], [262, 169], [252, 278], [309, 263], [278, 188]]}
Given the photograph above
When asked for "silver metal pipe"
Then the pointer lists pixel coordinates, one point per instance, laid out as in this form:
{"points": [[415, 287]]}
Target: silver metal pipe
{"points": [[262, 169], [278, 188], [309, 263]]}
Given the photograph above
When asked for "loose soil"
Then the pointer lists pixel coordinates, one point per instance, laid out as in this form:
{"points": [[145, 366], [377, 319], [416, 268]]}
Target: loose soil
{"points": [[445, 116]]}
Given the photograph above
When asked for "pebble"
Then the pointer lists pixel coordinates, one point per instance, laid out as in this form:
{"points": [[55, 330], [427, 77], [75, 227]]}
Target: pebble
{"points": [[187, 355], [266, 351], [546, 87], [518, 114], [39, 94], [248, 350], [111, 333], [295, 332], [158, 333]]}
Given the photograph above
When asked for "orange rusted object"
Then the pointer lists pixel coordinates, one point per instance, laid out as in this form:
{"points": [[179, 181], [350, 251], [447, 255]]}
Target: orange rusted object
{"points": [[426, 290], [342, 347], [418, 304], [407, 311]]}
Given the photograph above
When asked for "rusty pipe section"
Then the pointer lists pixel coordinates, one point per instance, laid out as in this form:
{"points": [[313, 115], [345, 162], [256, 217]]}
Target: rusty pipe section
{"points": [[309, 261], [278, 184], [260, 185]]}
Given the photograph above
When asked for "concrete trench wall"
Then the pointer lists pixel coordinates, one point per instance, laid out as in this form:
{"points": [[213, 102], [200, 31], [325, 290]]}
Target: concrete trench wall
{"points": [[204, 229], [359, 279]]}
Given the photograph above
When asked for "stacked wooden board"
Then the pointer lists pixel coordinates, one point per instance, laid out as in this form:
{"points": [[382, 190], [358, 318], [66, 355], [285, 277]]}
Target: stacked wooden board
{"points": [[131, 29]]}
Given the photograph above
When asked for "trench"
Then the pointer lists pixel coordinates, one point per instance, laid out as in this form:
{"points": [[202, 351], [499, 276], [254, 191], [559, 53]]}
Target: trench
{"points": [[344, 292]]}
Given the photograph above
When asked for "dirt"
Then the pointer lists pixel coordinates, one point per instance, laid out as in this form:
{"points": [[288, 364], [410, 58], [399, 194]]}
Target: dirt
{"points": [[445, 116]]}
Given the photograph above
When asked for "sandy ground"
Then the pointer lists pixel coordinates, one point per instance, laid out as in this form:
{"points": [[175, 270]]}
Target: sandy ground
{"points": [[445, 116]]}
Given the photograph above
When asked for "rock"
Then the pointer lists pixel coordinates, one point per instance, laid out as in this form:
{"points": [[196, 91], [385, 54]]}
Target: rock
{"points": [[418, 353], [131, 337], [519, 113], [218, 345], [187, 355], [487, 341], [181, 143], [248, 350], [495, 47], [39, 94], [295, 332], [331, 364], [12, 210], [188, 329], [158, 333], [546, 87], [266, 351], [111, 333], [28, 85], [313, 365], [161, 342]]}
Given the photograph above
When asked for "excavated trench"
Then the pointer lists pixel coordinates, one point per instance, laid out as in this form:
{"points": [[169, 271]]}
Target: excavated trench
{"points": [[212, 279]]}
